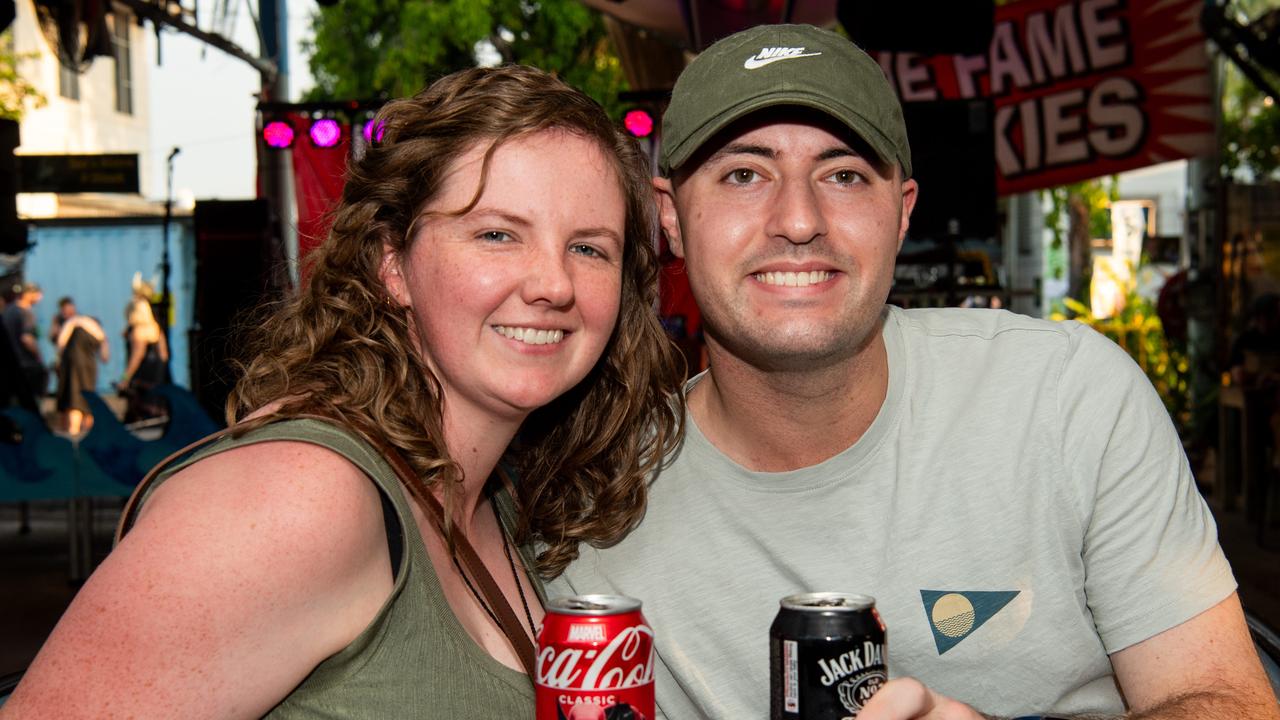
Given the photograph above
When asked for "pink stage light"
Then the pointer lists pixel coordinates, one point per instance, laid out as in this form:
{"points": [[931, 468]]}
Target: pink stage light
{"points": [[325, 132], [638, 122], [373, 130], [278, 134]]}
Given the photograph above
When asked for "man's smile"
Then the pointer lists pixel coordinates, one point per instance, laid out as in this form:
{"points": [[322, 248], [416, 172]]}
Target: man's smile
{"points": [[794, 279]]}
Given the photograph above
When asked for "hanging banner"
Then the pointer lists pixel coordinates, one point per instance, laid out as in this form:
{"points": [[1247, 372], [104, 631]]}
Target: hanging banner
{"points": [[1082, 88]]}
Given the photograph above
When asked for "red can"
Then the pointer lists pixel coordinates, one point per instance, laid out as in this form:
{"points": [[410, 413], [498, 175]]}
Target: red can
{"points": [[595, 660]]}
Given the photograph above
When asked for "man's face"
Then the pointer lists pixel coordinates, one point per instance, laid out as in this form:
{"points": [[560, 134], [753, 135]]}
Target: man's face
{"points": [[789, 233]]}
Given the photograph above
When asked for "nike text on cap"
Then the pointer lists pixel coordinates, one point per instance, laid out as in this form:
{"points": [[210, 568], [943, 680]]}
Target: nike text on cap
{"points": [[772, 65]]}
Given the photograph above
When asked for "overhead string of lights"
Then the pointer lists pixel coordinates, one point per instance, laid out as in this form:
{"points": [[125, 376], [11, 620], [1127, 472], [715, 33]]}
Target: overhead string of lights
{"points": [[325, 124]]}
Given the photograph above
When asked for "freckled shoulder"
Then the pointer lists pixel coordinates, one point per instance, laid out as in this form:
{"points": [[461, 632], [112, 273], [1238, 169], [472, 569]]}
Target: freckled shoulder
{"points": [[243, 572]]}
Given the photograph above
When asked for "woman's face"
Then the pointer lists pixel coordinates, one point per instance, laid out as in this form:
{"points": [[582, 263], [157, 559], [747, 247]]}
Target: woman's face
{"points": [[515, 300]]}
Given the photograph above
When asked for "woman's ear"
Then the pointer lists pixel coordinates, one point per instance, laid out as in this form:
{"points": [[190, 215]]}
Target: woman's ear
{"points": [[392, 274]]}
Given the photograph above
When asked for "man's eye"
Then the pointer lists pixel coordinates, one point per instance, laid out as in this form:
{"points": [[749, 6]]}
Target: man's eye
{"points": [[846, 177], [742, 176]]}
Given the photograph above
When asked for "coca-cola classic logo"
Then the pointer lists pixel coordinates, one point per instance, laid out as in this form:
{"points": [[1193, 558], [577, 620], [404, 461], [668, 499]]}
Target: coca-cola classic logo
{"points": [[627, 661]]}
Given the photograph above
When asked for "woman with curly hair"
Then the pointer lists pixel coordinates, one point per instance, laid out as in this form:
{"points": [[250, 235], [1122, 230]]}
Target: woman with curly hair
{"points": [[353, 546]]}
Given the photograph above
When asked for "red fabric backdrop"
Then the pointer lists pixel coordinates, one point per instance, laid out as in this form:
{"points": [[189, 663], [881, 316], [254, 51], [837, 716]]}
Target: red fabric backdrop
{"points": [[318, 175]]}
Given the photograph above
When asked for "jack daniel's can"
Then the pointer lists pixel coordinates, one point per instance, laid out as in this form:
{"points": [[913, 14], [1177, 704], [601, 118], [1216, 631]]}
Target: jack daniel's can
{"points": [[595, 660], [827, 656]]}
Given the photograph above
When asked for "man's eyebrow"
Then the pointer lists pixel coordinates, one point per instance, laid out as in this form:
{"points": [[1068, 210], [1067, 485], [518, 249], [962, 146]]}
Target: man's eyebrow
{"points": [[839, 152], [768, 152], [744, 149]]}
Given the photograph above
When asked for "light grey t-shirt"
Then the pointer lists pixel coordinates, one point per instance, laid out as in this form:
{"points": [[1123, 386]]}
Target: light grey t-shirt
{"points": [[1020, 507]]}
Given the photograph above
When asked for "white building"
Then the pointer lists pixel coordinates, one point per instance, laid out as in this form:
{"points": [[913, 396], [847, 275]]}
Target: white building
{"points": [[104, 110]]}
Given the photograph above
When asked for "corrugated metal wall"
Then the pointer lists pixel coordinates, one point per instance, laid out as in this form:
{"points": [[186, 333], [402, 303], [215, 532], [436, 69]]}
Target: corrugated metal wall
{"points": [[95, 263]]}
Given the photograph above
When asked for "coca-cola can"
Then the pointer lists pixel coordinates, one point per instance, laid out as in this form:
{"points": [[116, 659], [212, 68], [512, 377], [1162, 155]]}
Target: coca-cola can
{"points": [[595, 660], [826, 655]]}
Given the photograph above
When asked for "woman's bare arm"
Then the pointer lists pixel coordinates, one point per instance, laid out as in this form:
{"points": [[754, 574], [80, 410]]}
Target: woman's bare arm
{"points": [[242, 574]]}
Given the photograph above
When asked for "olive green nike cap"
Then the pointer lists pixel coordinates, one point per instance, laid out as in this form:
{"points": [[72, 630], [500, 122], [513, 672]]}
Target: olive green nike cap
{"points": [[778, 65]]}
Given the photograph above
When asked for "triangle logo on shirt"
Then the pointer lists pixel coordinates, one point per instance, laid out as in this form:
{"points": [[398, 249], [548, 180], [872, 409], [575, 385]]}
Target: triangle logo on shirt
{"points": [[955, 614]]}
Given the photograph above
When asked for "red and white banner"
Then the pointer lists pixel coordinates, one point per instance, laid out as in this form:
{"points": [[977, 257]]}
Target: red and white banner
{"points": [[1081, 88]]}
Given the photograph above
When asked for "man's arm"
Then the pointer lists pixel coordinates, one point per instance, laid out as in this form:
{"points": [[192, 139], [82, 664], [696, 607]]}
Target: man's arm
{"points": [[1204, 669], [28, 341]]}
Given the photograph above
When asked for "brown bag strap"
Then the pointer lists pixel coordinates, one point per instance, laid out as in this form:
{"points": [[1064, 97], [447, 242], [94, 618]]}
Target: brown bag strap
{"points": [[506, 616]]}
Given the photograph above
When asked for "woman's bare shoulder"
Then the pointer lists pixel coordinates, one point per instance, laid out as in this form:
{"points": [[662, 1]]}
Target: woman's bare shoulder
{"points": [[242, 573], [297, 495]]}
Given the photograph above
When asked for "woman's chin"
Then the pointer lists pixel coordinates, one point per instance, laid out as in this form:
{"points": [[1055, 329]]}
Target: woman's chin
{"points": [[525, 401]]}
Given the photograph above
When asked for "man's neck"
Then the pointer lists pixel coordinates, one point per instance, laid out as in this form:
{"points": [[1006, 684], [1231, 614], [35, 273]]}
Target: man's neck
{"points": [[771, 421]]}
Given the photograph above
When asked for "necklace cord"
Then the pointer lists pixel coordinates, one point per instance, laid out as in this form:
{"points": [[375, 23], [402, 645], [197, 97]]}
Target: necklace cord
{"points": [[515, 576]]}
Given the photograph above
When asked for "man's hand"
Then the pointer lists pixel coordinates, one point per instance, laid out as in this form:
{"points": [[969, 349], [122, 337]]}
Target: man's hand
{"points": [[909, 699]]}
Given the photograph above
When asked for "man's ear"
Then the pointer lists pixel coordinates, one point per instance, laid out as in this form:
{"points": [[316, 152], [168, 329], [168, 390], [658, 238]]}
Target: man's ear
{"points": [[664, 193], [910, 190], [392, 275]]}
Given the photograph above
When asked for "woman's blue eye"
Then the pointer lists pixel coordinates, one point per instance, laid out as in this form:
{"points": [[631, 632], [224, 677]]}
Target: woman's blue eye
{"points": [[582, 249], [495, 236]]}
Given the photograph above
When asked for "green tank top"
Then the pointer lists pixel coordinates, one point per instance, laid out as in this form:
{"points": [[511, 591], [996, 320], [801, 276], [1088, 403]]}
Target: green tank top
{"points": [[415, 660]]}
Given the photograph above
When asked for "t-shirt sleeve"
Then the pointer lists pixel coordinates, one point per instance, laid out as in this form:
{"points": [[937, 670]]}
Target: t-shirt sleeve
{"points": [[1150, 546]]}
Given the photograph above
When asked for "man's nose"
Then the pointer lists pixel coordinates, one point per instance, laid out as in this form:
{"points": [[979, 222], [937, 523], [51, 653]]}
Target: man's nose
{"points": [[797, 214]]}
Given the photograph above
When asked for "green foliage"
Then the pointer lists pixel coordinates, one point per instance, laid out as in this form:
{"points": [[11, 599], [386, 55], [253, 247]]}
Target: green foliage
{"points": [[1055, 260], [1097, 194], [368, 48], [1250, 120], [1250, 129], [1137, 329], [14, 90]]}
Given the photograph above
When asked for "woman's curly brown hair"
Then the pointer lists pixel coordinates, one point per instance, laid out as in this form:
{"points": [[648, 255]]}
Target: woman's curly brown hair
{"points": [[340, 347]]}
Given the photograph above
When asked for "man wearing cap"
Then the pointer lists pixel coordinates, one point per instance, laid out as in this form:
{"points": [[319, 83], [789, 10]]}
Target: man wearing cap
{"points": [[1011, 491], [20, 326]]}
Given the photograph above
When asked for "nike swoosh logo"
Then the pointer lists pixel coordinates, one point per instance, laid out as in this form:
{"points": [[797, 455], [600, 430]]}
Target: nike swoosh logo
{"points": [[754, 62]]}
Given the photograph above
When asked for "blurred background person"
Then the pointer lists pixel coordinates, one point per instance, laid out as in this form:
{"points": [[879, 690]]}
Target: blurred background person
{"points": [[66, 311], [20, 326], [81, 344], [1254, 357], [148, 359]]}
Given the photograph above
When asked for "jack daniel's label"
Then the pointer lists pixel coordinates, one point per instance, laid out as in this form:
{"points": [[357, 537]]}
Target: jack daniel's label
{"points": [[828, 656]]}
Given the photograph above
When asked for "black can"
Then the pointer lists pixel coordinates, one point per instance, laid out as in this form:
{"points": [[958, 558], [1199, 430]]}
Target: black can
{"points": [[826, 656]]}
